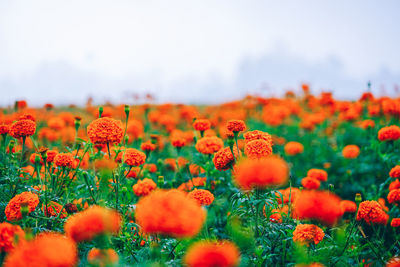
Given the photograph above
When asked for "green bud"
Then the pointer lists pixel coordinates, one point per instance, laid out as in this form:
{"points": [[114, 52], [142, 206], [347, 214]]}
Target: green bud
{"points": [[358, 198], [127, 109], [100, 111], [37, 160], [124, 189]]}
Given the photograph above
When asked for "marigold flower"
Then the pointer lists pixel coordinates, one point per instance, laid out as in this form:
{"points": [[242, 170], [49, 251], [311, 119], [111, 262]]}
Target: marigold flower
{"points": [[389, 133], [236, 126], [10, 236], [318, 174], [223, 159], [64, 160], [394, 197], [308, 233], [134, 157], [135, 129], [372, 213], [351, 151], [395, 172], [102, 257], [365, 124], [288, 195], [310, 183], [169, 213], [212, 253], [314, 264], [395, 222], [197, 181], [348, 206], [32, 158], [47, 249], [203, 197], [394, 185], [105, 130], [13, 208], [22, 128], [147, 146], [144, 187], [209, 145], [322, 206], [4, 129], [178, 141], [393, 262], [261, 173], [94, 221], [257, 135], [293, 148], [202, 125], [54, 209], [257, 149]]}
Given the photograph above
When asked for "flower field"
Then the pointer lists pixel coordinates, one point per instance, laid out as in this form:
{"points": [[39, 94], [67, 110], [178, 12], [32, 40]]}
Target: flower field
{"points": [[302, 180]]}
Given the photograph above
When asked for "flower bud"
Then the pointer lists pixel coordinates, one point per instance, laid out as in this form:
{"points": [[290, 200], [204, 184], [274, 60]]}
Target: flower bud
{"points": [[127, 109], [100, 111], [358, 198]]}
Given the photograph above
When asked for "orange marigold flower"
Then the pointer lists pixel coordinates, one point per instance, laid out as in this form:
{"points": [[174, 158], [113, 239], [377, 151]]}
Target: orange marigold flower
{"points": [[394, 185], [209, 145], [395, 172], [64, 160], [197, 181], [365, 124], [135, 129], [348, 206], [257, 149], [94, 221], [314, 264], [53, 209], [169, 213], [212, 253], [318, 174], [389, 133], [32, 158], [51, 154], [202, 125], [144, 187], [308, 233], [293, 148], [178, 141], [393, 262], [310, 183], [203, 197], [22, 128], [395, 222], [257, 135], [351, 151], [13, 208], [236, 125], [105, 130], [4, 129], [47, 249], [147, 146], [134, 157], [394, 197], [102, 257], [10, 236], [223, 159], [372, 213], [288, 195], [261, 173], [322, 206]]}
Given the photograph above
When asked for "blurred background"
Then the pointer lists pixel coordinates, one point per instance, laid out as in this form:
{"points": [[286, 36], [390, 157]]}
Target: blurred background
{"points": [[63, 52]]}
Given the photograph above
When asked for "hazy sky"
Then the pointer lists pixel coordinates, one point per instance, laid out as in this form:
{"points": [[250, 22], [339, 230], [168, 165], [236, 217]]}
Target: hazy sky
{"points": [[193, 51]]}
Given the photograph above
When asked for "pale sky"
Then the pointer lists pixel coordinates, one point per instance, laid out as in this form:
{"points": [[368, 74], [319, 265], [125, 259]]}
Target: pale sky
{"points": [[193, 51]]}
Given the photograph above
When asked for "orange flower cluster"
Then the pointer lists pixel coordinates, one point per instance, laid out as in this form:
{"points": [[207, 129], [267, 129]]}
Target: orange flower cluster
{"points": [[211, 254], [105, 130], [102, 257], [318, 174], [48, 249], [394, 197], [322, 206], [293, 148], [135, 129], [395, 222], [10, 236], [202, 125], [257, 149], [223, 159], [310, 183], [64, 160], [351, 151], [169, 213], [134, 157], [197, 181], [289, 195], [372, 213], [308, 233], [4, 129], [94, 221], [13, 208], [144, 187], [257, 135], [53, 209], [395, 172], [389, 133], [261, 173], [209, 145], [22, 128], [147, 146], [203, 197], [348, 206], [236, 126]]}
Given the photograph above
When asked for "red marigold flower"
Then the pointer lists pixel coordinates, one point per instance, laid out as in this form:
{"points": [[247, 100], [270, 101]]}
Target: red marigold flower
{"points": [[144, 187], [134, 157], [64, 160], [348, 206], [22, 128], [322, 206], [102, 257], [211, 254], [54, 209], [372, 213], [351, 151], [308, 233], [51, 154], [105, 130], [257, 149], [310, 183], [209, 145], [13, 208], [178, 142], [318, 174], [287, 195], [47, 249], [170, 213], [365, 124], [395, 172], [147, 146], [395, 222], [202, 125], [393, 262], [394, 185], [10, 236], [223, 159], [293, 148], [197, 181], [94, 221], [394, 197], [261, 173], [257, 135], [203, 197], [389, 133], [4, 129], [236, 125]]}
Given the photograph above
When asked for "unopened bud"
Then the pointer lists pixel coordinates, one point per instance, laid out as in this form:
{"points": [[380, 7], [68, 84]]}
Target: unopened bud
{"points": [[100, 111], [127, 109], [358, 198], [160, 181], [37, 160], [77, 123]]}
